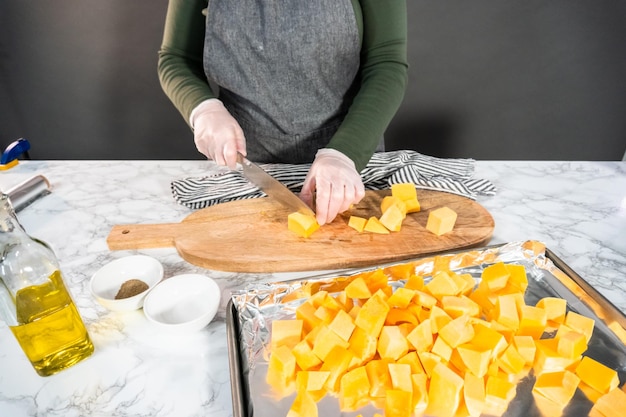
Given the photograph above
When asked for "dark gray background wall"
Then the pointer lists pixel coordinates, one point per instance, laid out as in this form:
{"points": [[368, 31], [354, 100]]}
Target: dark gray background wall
{"points": [[510, 79]]}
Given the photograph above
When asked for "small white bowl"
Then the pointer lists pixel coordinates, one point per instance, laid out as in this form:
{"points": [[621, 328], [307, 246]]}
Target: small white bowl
{"points": [[106, 282], [185, 302]]}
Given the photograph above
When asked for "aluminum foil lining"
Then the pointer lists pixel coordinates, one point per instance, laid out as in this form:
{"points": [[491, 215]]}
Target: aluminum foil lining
{"points": [[259, 304]]}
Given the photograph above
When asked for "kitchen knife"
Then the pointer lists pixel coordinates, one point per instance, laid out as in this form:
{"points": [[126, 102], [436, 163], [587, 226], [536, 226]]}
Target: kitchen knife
{"points": [[272, 187]]}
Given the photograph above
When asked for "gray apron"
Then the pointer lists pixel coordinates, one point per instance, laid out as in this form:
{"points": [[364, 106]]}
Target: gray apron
{"points": [[285, 70]]}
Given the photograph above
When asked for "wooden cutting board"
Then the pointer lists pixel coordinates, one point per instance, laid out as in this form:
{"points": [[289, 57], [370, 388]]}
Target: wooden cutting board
{"points": [[252, 236]]}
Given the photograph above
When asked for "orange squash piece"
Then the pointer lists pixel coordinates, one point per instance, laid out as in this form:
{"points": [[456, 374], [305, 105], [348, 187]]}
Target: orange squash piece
{"points": [[457, 331], [336, 364], [555, 308], [400, 374], [444, 392], [547, 358], [474, 394], [305, 358], [580, 323], [302, 224], [379, 378], [532, 322], [476, 359], [498, 394], [281, 370], [303, 406], [404, 191], [420, 393], [391, 200], [505, 311], [392, 218], [357, 223], [373, 225], [362, 345], [495, 276], [401, 297], [558, 387], [391, 343], [517, 277], [342, 325], [286, 333], [398, 403], [442, 284], [354, 389], [413, 361], [326, 341], [457, 306], [571, 344], [597, 375], [525, 345], [421, 337], [371, 316], [306, 313], [511, 361], [441, 221], [358, 288], [489, 339], [612, 404]]}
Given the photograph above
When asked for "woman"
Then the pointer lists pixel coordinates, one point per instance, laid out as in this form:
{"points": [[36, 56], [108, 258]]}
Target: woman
{"points": [[289, 81]]}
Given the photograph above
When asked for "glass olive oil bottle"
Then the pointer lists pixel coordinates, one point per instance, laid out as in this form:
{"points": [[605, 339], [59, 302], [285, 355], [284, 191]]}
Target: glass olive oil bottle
{"points": [[35, 302]]}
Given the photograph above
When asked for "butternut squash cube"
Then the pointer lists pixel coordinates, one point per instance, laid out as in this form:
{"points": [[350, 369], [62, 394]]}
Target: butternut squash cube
{"points": [[401, 297], [286, 333], [413, 361], [547, 358], [489, 339], [558, 387], [420, 393], [398, 403], [354, 388], [281, 371], [371, 316], [421, 337], [311, 380], [303, 406], [306, 313], [457, 331], [392, 218], [597, 375], [441, 221], [498, 393], [612, 404], [342, 325], [302, 224], [457, 306], [442, 349], [363, 345], [525, 345], [571, 344], [511, 361], [400, 374], [404, 191], [444, 393], [379, 378], [389, 201], [474, 394], [412, 205], [325, 314], [305, 358], [400, 315], [580, 323], [373, 225], [326, 341], [358, 288], [391, 343], [555, 308], [336, 364], [517, 277], [495, 276], [429, 360], [475, 358], [505, 311], [532, 321], [357, 223], [425, 300], [442, 284]]}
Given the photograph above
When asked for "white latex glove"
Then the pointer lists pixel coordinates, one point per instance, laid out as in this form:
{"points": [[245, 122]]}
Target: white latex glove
{"points": [[336, 183], [216, 133]]}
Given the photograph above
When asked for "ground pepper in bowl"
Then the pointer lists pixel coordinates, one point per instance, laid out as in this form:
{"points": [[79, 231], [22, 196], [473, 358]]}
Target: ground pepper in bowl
{"points": [[130, 288]]}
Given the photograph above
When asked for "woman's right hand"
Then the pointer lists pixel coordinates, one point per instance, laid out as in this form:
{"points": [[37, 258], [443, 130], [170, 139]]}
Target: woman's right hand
{"points": [[217, 134]]}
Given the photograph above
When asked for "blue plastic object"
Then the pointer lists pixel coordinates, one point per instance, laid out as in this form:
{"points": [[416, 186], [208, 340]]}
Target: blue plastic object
{"points": [[13, 151]]}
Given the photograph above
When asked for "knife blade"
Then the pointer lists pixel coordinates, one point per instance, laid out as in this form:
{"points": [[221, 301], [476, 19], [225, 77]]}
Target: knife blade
{"points": [[272, 187]]}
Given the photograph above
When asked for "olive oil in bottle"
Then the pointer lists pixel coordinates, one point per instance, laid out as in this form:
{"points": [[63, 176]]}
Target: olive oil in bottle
{"points": [[35, 302]]}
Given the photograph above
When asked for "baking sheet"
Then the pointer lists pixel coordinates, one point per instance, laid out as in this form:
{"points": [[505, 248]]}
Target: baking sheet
{"points": [[252, 310]]}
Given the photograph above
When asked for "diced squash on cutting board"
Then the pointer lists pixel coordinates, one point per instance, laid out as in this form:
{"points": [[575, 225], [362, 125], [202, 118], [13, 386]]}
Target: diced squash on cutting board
{"points": [[392, 218], [375, 226], [357, 223], [301, 224], [441, 346], [441, 221]]}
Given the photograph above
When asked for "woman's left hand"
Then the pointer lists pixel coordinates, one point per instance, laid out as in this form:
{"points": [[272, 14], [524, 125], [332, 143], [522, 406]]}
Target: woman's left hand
{"points": [[336, 183]]}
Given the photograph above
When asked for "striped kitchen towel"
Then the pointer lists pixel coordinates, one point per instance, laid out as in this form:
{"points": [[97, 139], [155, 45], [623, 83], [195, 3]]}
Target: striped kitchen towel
{"points": [[384, 168]]}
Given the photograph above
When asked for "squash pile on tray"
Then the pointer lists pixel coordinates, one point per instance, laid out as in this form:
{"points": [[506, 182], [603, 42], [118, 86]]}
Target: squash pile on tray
{"points": [[444, 347]]}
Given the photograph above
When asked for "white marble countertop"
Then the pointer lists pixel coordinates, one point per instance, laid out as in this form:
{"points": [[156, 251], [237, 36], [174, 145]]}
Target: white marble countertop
{"points": [[578, 209]]}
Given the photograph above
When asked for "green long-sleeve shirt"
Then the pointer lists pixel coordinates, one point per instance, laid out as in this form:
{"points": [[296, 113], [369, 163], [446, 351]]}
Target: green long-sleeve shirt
{"points": [[382, 73]]}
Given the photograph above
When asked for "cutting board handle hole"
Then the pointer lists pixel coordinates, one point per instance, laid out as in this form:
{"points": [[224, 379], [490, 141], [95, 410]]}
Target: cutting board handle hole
{"points": [[125, 231]]}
